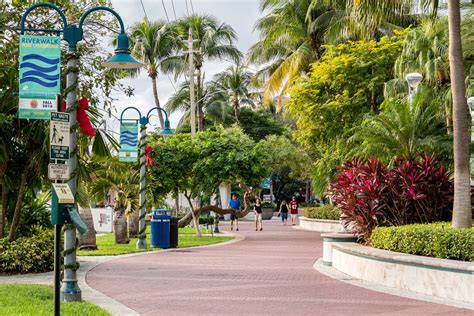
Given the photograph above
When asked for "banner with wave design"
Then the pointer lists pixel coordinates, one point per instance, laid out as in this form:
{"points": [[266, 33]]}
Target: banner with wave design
{"points": [[129, 141], [40, 76]]}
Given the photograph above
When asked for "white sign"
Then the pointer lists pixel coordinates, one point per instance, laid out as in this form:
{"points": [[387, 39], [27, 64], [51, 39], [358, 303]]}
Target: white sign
{"points": [[64, 193], [58, 172], [102, 218], [59, 132]]}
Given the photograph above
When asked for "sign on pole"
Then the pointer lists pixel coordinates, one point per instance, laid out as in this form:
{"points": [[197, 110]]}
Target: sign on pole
{"points": [[266, 183], [40, 68], [59, 132], [58, 171], [64, 193], [128, 142]]}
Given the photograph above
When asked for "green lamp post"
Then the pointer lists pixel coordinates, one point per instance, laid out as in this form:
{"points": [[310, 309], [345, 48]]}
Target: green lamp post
{"points": [[73, 34], [166, 131]]}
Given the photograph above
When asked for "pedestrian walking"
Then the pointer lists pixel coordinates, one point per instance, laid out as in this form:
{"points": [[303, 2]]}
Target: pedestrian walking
{"points": [[257, 208], [293, 210], [283, 212], [234, 204]]}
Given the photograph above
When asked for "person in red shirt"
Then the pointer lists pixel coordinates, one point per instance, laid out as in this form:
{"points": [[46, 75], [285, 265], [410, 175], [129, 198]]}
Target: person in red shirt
{"points": [[293, 210]]}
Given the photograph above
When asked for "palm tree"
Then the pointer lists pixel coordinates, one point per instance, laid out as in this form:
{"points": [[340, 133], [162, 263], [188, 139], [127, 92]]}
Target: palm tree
{"points": [[116, 176], [211, 41], [403, 130], [236, 81], [287, 47], [153, 43], [462, 212]]}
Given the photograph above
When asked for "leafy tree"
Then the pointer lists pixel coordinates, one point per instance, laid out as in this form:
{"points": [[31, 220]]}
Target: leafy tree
{"points": [[286, 160], [341, 88], [195, 165], [261, 123], [24, 147]]}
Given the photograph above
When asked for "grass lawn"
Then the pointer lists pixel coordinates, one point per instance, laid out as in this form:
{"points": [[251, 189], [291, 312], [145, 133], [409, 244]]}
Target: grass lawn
{"points": [[107, 246], [26, 299]]}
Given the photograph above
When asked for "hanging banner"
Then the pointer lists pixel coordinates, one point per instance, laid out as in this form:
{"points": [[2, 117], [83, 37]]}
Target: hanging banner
{"points": [[128, 142], [40, 72]]}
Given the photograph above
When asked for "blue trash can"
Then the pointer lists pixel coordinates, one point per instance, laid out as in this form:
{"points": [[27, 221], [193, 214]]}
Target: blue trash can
{"points": [[160, 229]]}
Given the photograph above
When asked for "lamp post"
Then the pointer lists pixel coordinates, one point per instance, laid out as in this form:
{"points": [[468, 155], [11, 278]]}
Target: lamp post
{"points": [[166, 131], [73, 34], [413, 80]]}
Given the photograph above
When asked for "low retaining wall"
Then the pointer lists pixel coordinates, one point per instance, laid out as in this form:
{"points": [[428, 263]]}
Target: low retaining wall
{"points": [[319, 225], [437, 277]]}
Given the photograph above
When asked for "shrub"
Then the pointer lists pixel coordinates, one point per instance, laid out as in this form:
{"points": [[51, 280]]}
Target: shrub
{"points": [[323, 212], [434, 240], [370, 194], [28, 254]]}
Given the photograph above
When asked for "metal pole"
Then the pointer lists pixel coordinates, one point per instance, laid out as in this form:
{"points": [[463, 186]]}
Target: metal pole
{"points": [[57, 269], [191, 83], [70, 290], [141, 242]]}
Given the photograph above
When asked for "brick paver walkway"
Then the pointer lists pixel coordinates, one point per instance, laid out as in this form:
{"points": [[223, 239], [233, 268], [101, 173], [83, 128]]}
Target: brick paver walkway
{"points": [[268, 273]]}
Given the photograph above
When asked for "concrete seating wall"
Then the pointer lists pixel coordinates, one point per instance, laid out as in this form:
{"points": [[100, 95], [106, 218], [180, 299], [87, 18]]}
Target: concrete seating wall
{"points": [[449, 279], [319, 225]]}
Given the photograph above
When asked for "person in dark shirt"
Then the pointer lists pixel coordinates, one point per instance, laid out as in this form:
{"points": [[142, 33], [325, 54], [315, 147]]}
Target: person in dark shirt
{"points": [[234, 204], [257, 208], [294, 210], [283, 212]]}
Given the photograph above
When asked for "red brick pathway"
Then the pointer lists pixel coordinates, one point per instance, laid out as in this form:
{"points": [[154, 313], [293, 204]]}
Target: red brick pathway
{"points": [[269, 273]]}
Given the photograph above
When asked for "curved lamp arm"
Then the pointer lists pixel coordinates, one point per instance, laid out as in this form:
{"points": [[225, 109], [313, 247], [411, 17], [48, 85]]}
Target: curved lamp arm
{"points": [[160, 109], [85, 14], [131, 108], [43, 4]]}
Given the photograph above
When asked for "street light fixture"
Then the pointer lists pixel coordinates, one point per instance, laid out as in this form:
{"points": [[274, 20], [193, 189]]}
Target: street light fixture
{"points": [[73, 34], [166, 131], [413, 80]]}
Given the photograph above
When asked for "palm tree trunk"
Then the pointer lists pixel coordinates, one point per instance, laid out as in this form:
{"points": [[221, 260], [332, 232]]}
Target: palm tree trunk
{"points": [[200, 113], [120, 227], [87, 241], [157, 101], [462, 214], [133, 225], [19, 204]]}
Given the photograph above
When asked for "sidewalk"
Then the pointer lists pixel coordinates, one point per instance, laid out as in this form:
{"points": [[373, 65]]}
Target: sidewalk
{"points": [[269, 273]]}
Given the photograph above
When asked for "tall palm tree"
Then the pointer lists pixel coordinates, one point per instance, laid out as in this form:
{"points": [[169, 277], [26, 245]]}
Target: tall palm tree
{"points": [[462, 212], [236, 81], [211, 41], [154, 43]]}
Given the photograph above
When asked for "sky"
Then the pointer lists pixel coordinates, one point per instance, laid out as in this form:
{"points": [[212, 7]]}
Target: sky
{"points": [[240, 14]]}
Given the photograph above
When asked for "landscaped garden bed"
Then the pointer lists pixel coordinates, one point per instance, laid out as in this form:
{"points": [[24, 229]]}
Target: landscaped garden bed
{"points": [[434, 240], [322, 212]]}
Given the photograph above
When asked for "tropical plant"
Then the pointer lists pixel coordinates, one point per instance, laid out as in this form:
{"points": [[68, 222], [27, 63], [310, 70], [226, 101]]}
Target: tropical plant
{"points": [[403, 130], [154, 43], [370, 194], [118, 177]]}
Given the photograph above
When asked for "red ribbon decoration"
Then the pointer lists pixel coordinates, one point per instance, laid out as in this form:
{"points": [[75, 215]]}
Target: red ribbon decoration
{"points": [[83, 119], [81, 116], [148, 159]]}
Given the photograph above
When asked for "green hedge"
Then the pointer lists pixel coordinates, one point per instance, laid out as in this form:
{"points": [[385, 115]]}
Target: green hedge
{"points": [[433, 240], [28, 254], [322, 212]]}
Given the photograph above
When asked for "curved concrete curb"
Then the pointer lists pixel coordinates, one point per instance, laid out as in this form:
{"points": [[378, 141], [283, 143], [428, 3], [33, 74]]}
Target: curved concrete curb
{"points": [[112, 306], [338, 275], [88, 263]]}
